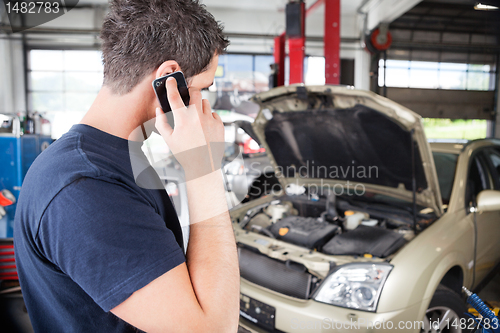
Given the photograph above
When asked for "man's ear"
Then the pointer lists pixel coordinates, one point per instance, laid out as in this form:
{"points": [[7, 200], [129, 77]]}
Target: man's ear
{"points": [[167, 67]]}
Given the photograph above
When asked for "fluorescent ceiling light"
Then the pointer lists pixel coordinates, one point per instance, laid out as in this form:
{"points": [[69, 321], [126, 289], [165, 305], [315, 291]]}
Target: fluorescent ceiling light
{"points": [[480, 6]]}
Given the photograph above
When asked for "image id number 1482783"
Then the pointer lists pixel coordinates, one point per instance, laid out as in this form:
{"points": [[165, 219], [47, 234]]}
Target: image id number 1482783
{"points": [[34, 7]]}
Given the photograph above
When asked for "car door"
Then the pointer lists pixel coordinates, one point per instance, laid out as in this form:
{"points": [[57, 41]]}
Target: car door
{"points": [[492, 156], [483, 176]]}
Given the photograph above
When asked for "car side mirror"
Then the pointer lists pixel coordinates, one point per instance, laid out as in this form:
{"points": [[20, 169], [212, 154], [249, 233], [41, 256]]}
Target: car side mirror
{"points": [[488, 200]]}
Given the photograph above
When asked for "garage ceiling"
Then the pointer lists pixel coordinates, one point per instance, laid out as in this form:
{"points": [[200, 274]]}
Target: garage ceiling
{"points": [[454, 24], [449, 31], [262, 17], [450, 16]]}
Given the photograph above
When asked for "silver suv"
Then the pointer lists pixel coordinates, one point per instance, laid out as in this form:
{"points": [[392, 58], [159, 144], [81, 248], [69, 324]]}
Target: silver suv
{"points": [[373, 228]]}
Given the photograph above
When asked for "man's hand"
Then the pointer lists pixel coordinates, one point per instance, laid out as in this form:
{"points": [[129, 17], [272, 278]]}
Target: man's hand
{"points": [[203, 294], [198, 135]]}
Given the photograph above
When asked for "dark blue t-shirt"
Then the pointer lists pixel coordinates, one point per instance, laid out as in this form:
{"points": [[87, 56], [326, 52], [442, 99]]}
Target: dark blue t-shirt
{"points": [[86, 236]]}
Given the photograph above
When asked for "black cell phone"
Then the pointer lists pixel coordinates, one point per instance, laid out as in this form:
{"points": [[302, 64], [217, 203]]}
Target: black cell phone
{"points": [[161, 92]]}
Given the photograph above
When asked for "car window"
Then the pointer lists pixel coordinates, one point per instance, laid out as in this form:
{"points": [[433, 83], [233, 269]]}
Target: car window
{"points": [[494, 157], [445, 167], [477, 180]]}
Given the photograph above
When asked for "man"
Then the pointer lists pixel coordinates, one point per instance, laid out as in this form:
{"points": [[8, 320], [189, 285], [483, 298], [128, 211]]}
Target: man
{"points": [[95, 251]]}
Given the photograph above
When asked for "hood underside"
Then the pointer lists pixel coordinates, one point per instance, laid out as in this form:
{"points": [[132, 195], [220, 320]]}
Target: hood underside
{"points": [[357, 144], [322, 134]]}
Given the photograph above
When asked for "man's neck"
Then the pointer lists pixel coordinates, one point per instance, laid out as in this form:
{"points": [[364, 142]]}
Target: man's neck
{"points": [[118, 115]]}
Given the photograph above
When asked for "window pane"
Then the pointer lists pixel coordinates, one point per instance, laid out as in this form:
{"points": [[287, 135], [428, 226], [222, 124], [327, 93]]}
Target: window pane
{"points": [[448, 66], [42, 102], [63, 84], [397, 77], [452, 80], [79, 101], [398, 64], [239, 63], [424, 65], [81, 81], [454, 129], [423, 78], [237, 72], [479, 68], [46, 81], [445, 168], [315, 74], [495, 159], [478, 81], [46, 60], [83, 61], [61, 122], [263, 63], [432, 75]]}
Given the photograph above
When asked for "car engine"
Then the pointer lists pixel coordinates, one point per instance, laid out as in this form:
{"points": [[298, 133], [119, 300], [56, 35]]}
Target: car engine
{"points": [[334, 225]]}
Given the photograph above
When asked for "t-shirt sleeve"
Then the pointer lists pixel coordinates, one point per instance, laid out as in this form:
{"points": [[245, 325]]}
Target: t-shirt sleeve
{"points": [[107, 239]]}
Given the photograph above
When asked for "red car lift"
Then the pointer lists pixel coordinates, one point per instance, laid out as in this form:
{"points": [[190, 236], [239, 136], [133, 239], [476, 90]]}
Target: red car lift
{"points": [[296, 46], [332, 41]]}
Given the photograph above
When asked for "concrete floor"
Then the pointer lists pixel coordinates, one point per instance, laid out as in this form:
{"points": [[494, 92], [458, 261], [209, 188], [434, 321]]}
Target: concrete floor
{"points": [[491, 293]]}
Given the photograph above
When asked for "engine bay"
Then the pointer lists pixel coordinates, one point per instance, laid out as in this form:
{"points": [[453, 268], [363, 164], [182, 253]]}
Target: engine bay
{"points": [[337, 225]]}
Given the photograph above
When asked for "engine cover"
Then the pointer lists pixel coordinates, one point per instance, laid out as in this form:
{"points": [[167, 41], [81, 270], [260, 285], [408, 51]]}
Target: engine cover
{"points": [[364, 239], [304, 231]]}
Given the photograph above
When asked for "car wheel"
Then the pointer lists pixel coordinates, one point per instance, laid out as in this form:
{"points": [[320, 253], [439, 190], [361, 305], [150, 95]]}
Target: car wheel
{"points": [[446, 308]]}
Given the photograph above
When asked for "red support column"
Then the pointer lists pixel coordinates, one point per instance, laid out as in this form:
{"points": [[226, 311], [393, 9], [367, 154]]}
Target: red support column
{"points": [[297, 52], [279, 57], [332, 41]]}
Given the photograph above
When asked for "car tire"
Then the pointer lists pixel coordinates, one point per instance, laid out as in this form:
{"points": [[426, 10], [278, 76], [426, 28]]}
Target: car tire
{"points": [[446, 307]]}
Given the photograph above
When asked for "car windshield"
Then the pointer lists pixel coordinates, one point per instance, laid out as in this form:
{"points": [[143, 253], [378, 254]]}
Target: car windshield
{"points": [[445, 167]]}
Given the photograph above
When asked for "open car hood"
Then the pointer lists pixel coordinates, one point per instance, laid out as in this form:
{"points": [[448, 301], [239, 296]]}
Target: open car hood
{"points": [[328, 135]]}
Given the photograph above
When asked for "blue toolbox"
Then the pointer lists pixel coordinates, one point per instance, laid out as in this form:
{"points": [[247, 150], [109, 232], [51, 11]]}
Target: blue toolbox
{"points": [[17, 153]]}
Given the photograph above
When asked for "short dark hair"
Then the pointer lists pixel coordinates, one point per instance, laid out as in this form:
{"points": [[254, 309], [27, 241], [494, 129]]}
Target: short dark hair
{"points": [[139, 35]]}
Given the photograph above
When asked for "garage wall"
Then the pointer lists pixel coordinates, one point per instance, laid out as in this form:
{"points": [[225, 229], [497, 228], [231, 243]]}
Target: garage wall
{"points": [[12, 94], [452, 104]]}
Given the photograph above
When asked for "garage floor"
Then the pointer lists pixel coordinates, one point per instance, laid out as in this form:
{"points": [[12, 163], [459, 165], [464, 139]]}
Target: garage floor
{"points": [[491, 293]]}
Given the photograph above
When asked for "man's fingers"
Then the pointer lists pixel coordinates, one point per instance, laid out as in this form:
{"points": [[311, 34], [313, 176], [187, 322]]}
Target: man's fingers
{"points": [[161, 124], [173, 96], [217, 117], [206, 106]]}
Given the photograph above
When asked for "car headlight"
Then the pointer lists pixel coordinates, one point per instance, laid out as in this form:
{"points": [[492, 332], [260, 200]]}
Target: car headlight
{"points": [[355, 286]]}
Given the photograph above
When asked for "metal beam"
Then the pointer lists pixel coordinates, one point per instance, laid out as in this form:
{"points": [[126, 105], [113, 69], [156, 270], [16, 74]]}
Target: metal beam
{"points": [[446, 47], [332, 41], [454, 6], [38, 30], [279, 58], [455, 29], [297, 50], [60, 31]]}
